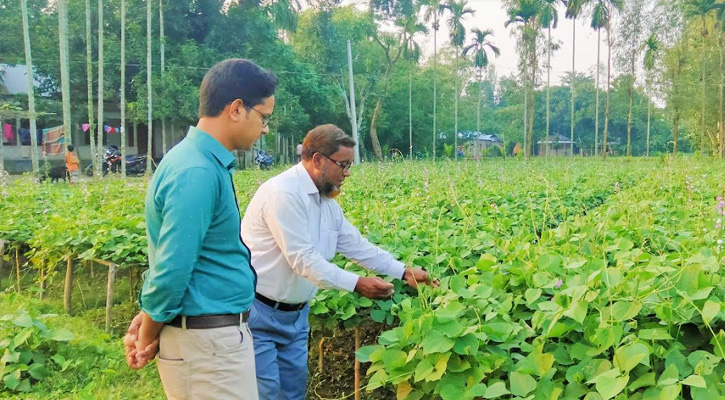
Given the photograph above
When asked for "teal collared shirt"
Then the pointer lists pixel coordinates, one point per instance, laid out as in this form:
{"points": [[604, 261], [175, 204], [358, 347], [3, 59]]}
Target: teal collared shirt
{"points": [[198, 264]]}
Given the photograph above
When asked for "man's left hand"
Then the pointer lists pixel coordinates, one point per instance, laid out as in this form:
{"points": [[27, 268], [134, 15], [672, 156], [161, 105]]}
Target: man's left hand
{"points": [[416, 276]]}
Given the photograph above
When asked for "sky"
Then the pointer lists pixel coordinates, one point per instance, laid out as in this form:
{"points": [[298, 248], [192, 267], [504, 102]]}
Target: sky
{"points": [[490, 14]]}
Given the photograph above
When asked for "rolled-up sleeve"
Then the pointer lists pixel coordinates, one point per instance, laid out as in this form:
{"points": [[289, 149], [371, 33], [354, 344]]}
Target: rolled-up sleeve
{"points": [[358, 249], [184, 203], [287, 221]]}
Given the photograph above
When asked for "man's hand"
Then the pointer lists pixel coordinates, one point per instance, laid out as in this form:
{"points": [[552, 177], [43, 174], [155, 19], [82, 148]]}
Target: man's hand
{"points": [[416, 276], [137, 357], [374, 288]]}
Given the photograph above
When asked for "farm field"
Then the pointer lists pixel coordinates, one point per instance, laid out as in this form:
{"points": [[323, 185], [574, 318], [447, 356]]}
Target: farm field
{"points": [[560, 279]]}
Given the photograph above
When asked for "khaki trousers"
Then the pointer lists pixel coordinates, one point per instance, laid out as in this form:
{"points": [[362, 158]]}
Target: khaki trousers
{"points": [[213, 364]]}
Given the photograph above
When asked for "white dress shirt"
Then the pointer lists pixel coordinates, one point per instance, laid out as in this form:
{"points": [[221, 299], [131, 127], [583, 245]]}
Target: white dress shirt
{"points": [[293, 232]]}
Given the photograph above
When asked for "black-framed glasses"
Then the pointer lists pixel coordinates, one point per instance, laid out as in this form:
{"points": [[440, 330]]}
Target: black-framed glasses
{"points": [[265, 118], [343, 165]]}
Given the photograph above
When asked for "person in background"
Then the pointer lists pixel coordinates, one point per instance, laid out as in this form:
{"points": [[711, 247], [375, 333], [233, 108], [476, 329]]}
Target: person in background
{"points": [[299, 151], [72, 164]]}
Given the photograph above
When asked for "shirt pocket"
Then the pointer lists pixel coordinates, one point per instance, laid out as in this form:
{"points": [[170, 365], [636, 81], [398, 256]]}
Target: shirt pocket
{"points": [[328, 243]]}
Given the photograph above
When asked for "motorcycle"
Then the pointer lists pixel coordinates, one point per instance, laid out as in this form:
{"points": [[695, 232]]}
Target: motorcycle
{"points": [[135, 164], [263, 160]]}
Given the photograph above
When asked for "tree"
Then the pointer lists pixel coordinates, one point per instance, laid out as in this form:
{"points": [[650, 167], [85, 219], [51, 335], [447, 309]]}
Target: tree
{"points": [[124, 132], [701, 9], [434, 10], [411, 28], [89, 78], [481, 46], [573, 10], [31, 88], [162, 40], [526, 13], [459, 10], [99, 160], [549, 19], [64, 73], [602, 18], [629, 51], [149, 91], [651, 48]]}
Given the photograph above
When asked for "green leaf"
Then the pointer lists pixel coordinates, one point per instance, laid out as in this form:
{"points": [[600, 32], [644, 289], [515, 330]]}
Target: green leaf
{"points": [[23, 320], [38, 371], [710, 310], [654, 334], [466, 345], [498, 389], [393, 359], [532, 295], [436, 342], [645, 380], [449, 312], [363, 354], [670, 392], [12, 380], [703, 362], [670, 376], [498, 331], [695, 380], [627, 357], [610, 383], [521, 384], [423, 369], [486, 262], [61, 335]]}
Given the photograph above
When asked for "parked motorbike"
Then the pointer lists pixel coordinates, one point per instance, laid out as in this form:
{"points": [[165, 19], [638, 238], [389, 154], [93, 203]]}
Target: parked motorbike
{"points": [[135, 164], [263, 160]]}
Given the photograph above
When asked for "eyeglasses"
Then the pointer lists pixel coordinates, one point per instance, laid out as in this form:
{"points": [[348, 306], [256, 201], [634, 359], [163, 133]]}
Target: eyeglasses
{"points": [[343, 165], [265, 118]]}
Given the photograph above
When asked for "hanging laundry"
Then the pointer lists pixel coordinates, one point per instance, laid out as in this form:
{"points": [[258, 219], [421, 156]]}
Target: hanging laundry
{"points": [[109, 129], [8, 133], [53, 140], [24, 136], [86, 127]]}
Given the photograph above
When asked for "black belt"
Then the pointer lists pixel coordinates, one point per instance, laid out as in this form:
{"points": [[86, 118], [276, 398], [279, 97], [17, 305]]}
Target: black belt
{"points": [[279, 306], [210, 321]]}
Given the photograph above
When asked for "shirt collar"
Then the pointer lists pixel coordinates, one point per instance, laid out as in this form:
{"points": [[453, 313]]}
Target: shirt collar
{"points": [[208, 143], [306, 180]]}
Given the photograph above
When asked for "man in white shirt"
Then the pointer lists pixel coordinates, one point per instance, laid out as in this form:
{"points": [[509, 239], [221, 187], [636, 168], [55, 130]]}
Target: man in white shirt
{"points": [[293, 227]]}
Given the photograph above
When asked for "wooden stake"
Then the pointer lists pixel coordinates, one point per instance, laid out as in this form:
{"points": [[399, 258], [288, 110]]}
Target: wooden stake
{"points": [[17, 266], [42, 284], [2, 259], [109, 294], [319, 355], [68, 290], [357, 364]]}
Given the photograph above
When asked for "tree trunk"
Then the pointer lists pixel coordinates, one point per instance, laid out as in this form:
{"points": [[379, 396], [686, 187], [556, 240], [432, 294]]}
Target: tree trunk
{"points": [[649, 121], [548, 94], [702, 120], [720, 95], [123, 89], [532, 102], [149, 120], [100, 88], [31, 89], [373, 128], [162, 40], [89, 78], [435, 82], [64, 74], [609, 91], [675, 131], [478, 107], [571, 89], [455, 110], [596, 111], [629, 118], [410, 110]]}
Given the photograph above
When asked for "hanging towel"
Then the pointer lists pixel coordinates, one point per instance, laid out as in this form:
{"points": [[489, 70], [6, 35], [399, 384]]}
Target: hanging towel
{"points": [[86, 127], [53, 140], [8, 133]]}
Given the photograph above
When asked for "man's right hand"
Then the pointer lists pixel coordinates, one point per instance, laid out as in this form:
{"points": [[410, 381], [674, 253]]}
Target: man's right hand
{"points": [[373, 287]]}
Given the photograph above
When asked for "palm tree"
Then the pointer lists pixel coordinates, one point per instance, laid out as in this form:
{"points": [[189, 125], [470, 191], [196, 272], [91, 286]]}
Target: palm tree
{"points": [[123, 89], [602, 18], [31, 88], [526, 13], [64, 75], [89, 81], [701, 9], [434, 10], [481, 46], [651, 47], [549, 19], [573, 10], [100, 87], [411, 52], [162, 40], [149, 90], [459, 10]]}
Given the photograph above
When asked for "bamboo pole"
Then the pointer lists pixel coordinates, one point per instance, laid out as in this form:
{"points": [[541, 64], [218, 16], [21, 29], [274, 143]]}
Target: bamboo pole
{"points": [[68, 290], [109, 290], [2, 253], [319, 355], [17, 267], [42, 284], [357, 364]]}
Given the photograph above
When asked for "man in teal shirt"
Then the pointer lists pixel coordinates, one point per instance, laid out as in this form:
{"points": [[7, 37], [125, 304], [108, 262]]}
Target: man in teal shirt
{"points": [[200, 283]]}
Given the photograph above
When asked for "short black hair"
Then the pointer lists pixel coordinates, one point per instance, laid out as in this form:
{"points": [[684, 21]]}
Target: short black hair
{"points": [[71, 147], [325, 139], [235, 78]]}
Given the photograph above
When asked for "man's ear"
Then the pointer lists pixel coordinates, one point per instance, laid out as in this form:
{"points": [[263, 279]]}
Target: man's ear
{"points": [[236, 110]]}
